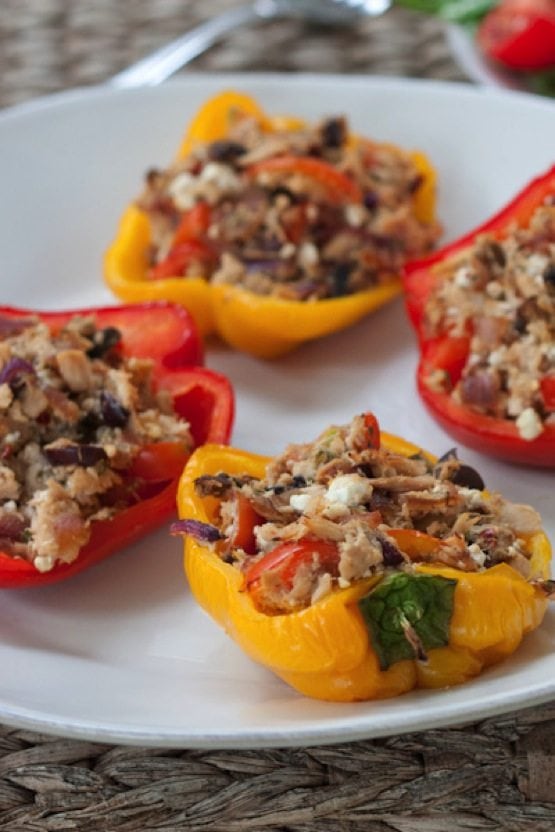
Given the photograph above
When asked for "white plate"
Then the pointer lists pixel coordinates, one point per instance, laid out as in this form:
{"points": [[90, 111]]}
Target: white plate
{"points": [[121, 653]]}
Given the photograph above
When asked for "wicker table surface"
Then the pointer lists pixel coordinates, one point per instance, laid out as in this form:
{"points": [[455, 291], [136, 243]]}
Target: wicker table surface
{"points": [[495, 775]]}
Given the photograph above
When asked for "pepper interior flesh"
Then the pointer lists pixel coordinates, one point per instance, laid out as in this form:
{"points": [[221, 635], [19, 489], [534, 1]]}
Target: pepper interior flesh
{"points": [[299, 213], [74, 416]]}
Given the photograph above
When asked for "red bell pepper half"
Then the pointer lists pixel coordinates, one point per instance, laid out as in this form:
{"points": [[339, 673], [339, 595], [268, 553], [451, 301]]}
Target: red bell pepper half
{"points": [[493, 436], [166, 334]]}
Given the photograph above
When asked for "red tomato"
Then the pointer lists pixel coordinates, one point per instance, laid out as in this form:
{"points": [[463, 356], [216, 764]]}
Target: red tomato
{"points": [[286, 559], [520, 34], [180, 258], [447, 353], [194, 224], [246, 518]]}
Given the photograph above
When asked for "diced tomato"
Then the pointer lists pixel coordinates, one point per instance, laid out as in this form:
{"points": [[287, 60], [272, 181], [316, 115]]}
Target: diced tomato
{"points": [[295, 221], [447, 353], [194, 224], [245, 520], [417, 545], [286, 559], [180, 257], [520, 34], [373, 429]]}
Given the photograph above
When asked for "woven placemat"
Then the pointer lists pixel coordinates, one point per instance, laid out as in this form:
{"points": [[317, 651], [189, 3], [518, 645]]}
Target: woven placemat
{"points": [[497, 775], [50, 45], [493, 775]]}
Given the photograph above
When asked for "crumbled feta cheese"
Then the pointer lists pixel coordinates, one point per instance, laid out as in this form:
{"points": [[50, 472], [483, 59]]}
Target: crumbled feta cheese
{"points": [[463, 277], [222, 176], [180, 190], [308, 255], [287, 250], [494, 289], [355, 215], [438, 488], [497, 357], [300, 502], [44, 563], [343, 583], [477, 555], [535, 265], [529, 424], [473, 498], [349, 490]]}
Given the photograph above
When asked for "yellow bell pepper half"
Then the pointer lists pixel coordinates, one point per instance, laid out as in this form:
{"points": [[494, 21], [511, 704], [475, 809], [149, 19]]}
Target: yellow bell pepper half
{"points": [[324, 651], [263, 326]]}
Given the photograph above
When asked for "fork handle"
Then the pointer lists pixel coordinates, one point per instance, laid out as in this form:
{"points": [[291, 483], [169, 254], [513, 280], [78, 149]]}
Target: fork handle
{"points": [[162, 63]]}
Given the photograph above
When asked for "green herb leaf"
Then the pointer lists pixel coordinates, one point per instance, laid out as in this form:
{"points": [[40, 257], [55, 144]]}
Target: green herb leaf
{"points": [[456, 11], [407, 615]]}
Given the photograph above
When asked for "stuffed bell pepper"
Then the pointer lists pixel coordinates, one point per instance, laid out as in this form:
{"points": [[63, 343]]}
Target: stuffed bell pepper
{"points": [[273, 232], [99, 411], [484, 311], [358, 567]]}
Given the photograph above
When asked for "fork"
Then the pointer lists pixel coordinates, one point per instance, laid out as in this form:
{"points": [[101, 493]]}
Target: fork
{"points": [[161, 64]]}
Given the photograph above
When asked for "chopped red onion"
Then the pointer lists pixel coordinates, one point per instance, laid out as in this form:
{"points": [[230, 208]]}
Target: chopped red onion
{"points": [[391, 554], [11, 525], [14, 368], [197, 529], [13, 326], [114, 414]]}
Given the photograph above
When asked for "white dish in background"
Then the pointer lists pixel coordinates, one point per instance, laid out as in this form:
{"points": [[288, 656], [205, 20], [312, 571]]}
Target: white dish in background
{"points": [[122, 653], [471, 60]]}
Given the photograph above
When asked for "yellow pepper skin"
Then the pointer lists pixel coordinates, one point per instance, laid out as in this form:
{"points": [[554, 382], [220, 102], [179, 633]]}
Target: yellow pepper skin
{"points": [[262, 326], [324, 651]]}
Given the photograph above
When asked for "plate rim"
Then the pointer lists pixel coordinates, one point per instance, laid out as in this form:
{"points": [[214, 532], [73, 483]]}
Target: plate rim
{"points": [[230, 79]]}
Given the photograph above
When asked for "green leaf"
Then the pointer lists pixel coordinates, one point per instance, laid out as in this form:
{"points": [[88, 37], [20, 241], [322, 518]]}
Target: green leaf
{"points": [[407, 615], [456, 11]]}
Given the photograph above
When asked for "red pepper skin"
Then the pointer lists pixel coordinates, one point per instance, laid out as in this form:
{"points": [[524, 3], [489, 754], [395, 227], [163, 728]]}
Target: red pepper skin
{"points": [[166, 334], [547, 387], [496, 437]]}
